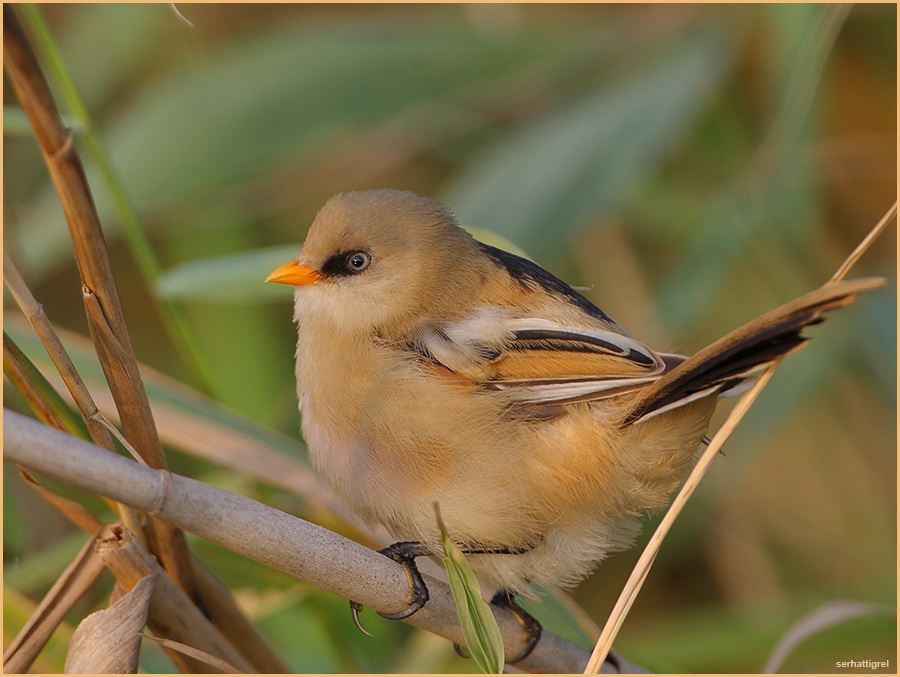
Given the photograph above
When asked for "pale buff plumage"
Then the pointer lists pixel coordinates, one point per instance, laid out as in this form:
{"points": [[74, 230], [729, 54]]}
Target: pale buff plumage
{"points": [[449, 372]]}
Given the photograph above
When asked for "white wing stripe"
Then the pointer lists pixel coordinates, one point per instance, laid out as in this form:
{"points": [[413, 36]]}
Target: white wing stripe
{"points": [[531, 392]]}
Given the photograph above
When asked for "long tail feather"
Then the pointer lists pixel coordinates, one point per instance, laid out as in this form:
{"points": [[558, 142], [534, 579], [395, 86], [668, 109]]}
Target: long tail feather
{"points": [[724, 363]]}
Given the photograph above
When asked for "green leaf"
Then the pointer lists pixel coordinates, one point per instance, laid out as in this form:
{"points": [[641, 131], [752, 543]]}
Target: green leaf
{"points": [[480, 629], [235, 277], [73, 421]]}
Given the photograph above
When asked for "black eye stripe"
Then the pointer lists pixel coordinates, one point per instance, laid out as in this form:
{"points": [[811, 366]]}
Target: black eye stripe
{"points": [[346, 263]]}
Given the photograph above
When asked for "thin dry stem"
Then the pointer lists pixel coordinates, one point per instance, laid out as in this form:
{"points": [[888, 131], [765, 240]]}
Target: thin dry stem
{"points": [[639, 573], [642, 568], [863, 246], [172, 614], [98, 427], [217, 664], [66, 171], [42, 326], [58, 601]]}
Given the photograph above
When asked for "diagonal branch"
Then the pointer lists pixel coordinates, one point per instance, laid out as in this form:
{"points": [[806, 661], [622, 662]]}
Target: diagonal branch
{"points": [[267, 535]]}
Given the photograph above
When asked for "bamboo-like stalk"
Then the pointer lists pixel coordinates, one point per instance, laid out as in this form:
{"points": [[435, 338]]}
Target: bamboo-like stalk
{"points": [[276, 539], [105, 317]]}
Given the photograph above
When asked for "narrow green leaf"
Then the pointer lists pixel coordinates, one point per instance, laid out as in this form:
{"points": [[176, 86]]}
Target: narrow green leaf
{"points": [[73, 421], [235, 277], [480, 629]]}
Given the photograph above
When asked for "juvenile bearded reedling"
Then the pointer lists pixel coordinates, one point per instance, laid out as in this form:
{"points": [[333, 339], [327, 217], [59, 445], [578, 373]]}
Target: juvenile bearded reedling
{"points": [[434, 368]]}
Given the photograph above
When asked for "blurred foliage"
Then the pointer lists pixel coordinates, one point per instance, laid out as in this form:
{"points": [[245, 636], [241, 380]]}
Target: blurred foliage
{"points": [[693, 165]]}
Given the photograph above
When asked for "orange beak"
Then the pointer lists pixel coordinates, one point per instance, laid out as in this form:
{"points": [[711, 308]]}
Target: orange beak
{"points": [[293, 273]]}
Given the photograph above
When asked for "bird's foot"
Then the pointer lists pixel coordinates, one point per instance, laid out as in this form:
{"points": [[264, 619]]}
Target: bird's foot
{"points": [[531, 627], [405, 554]]}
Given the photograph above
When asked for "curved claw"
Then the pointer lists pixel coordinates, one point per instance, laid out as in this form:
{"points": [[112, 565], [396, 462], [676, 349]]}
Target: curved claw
{"points": [[404, 553], [417, 588], [355, 608]]}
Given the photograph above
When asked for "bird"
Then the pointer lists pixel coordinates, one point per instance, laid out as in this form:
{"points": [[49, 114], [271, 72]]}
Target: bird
{"points": [[433, 368]]}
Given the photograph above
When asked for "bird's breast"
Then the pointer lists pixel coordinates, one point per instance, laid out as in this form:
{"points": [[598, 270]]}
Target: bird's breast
{"points": [[361, 405]]}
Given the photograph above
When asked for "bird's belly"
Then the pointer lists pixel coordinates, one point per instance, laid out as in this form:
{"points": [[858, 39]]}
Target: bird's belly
{"points": [[442, 446]]}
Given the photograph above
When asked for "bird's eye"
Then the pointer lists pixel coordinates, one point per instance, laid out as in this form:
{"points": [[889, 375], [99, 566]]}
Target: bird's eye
{"points": [[358, 262]]}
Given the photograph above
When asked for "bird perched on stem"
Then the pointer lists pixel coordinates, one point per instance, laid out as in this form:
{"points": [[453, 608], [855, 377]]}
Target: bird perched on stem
{"points": [[434, 368]]}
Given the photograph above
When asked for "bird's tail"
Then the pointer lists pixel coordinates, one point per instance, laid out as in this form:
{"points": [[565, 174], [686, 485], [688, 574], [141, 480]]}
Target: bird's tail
{"points": [[723, 365]]}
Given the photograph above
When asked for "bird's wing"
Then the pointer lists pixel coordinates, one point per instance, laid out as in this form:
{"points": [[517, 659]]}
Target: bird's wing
{"points": [[541, 361]]}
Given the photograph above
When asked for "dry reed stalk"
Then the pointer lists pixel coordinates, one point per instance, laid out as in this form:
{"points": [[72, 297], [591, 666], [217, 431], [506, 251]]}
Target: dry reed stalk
{"points": [[58, 601], [172, 614], [105, 317], [96, 426]]}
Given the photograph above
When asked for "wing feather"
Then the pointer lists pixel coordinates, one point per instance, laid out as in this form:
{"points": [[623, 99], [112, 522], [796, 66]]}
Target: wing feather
{"points": [[538, 361]]}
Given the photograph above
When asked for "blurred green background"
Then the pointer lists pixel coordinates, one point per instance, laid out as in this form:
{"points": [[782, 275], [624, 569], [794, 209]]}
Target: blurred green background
{"points": [[692, 166]]}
